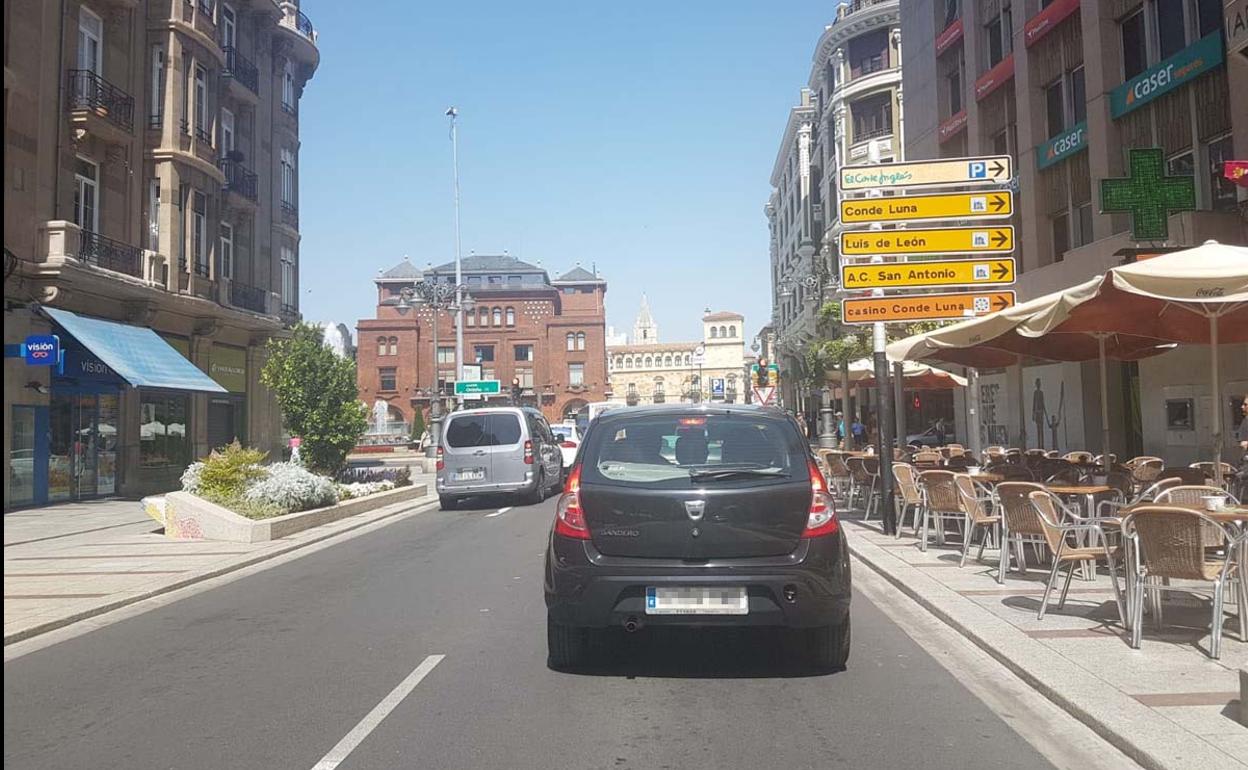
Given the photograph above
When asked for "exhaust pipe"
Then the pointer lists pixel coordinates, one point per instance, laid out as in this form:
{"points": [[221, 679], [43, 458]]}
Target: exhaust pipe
{"points": [[631, 624]]}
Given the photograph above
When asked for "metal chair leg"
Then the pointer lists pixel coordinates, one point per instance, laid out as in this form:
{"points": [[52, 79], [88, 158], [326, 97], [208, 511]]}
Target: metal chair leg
{"points": [[1215, 642], [966, 543], [923, 537], [1113, 578], [1048, 589], [1137, 614], [1070, 573]]}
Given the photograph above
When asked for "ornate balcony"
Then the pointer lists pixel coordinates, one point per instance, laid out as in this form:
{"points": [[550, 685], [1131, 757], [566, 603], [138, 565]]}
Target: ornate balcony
{"points": [[239, 180], [95, 249], [300, 31], [249, 298], [239, 69], [290, 215], [99, 107]]}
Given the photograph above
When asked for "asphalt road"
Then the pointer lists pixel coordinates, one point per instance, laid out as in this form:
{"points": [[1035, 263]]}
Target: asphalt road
{"points": [[277, 669]]}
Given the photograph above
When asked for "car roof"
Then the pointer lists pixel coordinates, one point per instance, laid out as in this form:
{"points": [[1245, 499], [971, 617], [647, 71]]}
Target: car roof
{"points": [[629, 412], [494, 410]]}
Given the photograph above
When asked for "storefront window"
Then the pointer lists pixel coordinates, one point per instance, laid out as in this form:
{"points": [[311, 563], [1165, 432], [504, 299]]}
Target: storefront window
{"points": [[163, 436], [22, 456], [106, 444]]}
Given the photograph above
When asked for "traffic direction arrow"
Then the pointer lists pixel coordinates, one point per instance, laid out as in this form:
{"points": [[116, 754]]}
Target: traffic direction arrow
{"points": [[934, 240], [946, 172], [997, 204], [924, 307], [915, 275]]}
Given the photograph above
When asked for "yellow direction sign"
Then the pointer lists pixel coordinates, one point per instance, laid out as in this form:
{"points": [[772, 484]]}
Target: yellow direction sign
{"points": [[995, 239], [996, 204], [946, 172], [924, 307], [917, 275]]}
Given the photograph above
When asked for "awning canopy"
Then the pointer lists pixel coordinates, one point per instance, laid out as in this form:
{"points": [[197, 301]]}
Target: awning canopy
{"points": [[138, 355]]}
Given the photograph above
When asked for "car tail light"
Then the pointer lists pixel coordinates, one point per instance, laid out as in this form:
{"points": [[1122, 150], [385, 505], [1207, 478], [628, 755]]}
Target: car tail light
{"points": [[528, 453], [568, 445], [822, 517], [569, 516], [441, 460]]}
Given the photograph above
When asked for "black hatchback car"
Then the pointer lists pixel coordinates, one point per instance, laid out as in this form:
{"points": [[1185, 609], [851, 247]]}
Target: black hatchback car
{"points": [[696, 516]]}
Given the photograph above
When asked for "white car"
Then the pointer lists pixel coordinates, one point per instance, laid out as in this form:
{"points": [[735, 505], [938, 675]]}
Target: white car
{"points": [[569, 442]]}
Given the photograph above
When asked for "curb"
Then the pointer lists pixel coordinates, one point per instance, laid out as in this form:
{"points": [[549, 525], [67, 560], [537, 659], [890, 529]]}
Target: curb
{"points": [[199, 577], [1049, 684]]}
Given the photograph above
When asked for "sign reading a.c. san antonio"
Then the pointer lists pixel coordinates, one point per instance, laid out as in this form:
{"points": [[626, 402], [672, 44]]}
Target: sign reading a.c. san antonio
{"points": [[1167, 75]]}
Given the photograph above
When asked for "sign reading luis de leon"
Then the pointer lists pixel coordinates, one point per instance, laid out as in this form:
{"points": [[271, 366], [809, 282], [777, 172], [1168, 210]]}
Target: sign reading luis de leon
{"points": [[1167, 75], [1062, 146]]}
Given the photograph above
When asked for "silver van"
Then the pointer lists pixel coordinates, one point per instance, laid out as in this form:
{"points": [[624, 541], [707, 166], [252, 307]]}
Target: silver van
{"points": [[497, 450]]}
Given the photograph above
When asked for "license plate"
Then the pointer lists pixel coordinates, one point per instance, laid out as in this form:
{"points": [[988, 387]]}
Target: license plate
{"points": [[470, 474], [697, 600]]}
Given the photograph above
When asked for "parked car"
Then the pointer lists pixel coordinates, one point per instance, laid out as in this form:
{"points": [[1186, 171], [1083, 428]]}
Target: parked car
{"points": [[497, 450], [569, 440], [696, 516], [926, 438]]}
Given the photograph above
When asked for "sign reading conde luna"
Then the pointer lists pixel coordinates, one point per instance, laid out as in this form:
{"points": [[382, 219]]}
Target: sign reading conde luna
{"points": [[1167, 75]]}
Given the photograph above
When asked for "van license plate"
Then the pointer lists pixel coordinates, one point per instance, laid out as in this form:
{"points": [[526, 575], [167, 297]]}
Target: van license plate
{"points": [[470, 474], [697, 600]]}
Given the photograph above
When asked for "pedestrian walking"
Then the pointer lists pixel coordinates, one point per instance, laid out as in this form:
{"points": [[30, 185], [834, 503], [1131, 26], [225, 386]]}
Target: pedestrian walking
{"points": [[860, 433], [940, 431]]}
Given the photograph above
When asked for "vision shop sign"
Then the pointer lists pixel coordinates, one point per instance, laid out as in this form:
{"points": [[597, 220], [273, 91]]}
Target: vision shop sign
{"points": [[1167, 75], [42, 350]]}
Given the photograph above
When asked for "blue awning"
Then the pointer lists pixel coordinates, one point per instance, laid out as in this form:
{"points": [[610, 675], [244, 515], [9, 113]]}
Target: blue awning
{"points": [[139, 355]]}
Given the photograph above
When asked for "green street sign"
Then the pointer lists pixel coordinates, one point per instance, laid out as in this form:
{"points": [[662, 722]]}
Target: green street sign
{"points": [[1062, 146], [1167, 75], [478, 388], [1148, 195]]}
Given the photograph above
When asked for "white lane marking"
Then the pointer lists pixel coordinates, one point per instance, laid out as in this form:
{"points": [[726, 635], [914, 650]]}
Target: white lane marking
{"points": [[369, 723], [499, 512]]}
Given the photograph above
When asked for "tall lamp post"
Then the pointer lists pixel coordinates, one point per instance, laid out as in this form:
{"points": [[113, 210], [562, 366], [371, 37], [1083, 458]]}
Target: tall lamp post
{"points": [[817, 283], [438, 297], [460, 292]]}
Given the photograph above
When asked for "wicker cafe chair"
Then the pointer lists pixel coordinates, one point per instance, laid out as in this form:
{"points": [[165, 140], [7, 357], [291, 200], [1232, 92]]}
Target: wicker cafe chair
{"points": [[1209, 469], [872, 466], [1058, 537], [839, 476], [1011, 472], [943, 503], [1079, 457], [1194, 496], [1146, 495], [976, 518], [1101, 460], [1020, 524], [864, 491], [1188, 476], [1058, 471], [1167, 543], [993, 454], [909, 496], [927, 456], [1146, 469]]}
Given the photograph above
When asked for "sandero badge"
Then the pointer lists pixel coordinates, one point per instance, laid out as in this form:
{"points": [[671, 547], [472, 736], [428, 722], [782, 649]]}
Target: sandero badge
{"points": [[42, 350]]}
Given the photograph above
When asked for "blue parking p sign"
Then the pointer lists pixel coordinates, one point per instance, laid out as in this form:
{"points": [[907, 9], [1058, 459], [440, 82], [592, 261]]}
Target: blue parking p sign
{"points": [[42, 350], [978, 170], [717, 386]]}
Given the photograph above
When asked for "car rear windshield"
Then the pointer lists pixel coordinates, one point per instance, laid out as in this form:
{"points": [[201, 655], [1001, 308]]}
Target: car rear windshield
{"points": [[682, 450], [476, 430]]}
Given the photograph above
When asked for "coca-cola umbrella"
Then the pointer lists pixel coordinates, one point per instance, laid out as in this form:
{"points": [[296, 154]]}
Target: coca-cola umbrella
{"points": [[1195, 296]]}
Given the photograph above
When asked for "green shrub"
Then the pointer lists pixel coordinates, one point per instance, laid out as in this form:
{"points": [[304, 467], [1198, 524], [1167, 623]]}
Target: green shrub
{"points": [[418, 426], [228, 471]]}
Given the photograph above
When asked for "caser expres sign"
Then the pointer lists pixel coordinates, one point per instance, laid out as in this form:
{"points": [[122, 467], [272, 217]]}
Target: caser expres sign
{"points": [[1167, 75]]}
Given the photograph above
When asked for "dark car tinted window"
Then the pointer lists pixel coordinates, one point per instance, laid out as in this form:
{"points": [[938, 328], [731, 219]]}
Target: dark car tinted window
{"points": [[661, 450], [475, 430]]}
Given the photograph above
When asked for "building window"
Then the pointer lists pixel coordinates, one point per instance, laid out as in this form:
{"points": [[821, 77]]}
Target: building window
{"points": [[1181, 165], [1083, 225], [1061, 236], [1134, 45], [495, 280], [164, 438], [199, 224], [86, 194], [732, 331], [873, 116], [576, 374], [153, 214], [381, 346], [288, 277], [1054, 104], [1221, 189], [648, 363], [157, 86], [525, 376], [523, 353], [511, 316], [288, 87], [227, 131], [227, 250], [288, 176], [951, 12], [868, 53], [570, 339], [999, 32], [498, 316], [470, 318], [394, 346], [714, 332], [1171, 36], [90, 42], [229, 25], [954, 82], [446, 354], [1078, 96], [580, 341], [483, 353], [201, 102], [387, 379]]}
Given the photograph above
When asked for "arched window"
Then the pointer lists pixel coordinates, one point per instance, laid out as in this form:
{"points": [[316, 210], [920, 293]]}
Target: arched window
{"points": [[649, 362], [723, 331], [470, 318], [571, 341], [688, 360], [498, 316], [628, 362], [667, 361], [381, 346], [485, 316], [732, 331], [511, 316], [394, 346], [714, 332]]}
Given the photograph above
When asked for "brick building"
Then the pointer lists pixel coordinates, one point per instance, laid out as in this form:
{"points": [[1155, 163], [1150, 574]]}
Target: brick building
{"points": [[548, 334]]}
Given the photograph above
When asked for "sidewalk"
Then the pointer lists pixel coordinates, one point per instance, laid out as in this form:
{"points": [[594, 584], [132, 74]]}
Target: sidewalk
{"points": [[66, 563], [1166, 705]]}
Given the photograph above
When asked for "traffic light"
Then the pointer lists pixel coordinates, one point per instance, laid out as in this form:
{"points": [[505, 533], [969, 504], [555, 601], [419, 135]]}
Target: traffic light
{"points": [[760, 373], [773, 375]]}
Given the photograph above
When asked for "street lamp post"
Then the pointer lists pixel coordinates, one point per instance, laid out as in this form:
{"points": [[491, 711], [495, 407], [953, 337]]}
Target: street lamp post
{"points": [[438, 297], [453, 113]]}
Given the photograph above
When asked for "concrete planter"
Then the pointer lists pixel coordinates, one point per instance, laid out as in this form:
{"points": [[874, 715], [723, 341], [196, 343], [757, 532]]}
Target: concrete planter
{"points": [[187, 517]]}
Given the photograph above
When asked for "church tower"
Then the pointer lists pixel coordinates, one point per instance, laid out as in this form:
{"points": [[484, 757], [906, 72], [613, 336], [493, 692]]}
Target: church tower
{"points": [[645, 330]]}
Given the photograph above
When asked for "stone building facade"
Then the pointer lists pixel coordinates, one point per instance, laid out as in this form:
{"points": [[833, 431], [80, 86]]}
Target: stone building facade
{"points": [[713, 369]]}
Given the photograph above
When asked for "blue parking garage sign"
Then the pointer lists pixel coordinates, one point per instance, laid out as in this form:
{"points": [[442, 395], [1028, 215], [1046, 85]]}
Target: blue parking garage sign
{"points": [[42, 350]]}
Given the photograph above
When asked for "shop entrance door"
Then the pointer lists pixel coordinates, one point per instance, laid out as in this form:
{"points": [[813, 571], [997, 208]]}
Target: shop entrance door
{"points": [[82, 459]]}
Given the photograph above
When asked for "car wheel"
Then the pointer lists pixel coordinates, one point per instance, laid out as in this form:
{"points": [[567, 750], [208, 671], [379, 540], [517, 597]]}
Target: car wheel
{"points": [[828, 646], [447, 503], [539, 490], [567, 647]]}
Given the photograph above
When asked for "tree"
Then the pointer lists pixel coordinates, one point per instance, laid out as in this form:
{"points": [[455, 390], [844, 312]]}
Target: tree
{"points": [[418, 426], [316, 391]]}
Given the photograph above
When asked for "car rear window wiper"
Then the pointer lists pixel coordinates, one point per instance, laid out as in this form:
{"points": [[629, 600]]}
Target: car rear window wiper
{"points": [[714, 474]]}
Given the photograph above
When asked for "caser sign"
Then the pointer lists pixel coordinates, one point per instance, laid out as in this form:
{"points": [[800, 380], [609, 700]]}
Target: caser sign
{"points": [[1183, 67]]}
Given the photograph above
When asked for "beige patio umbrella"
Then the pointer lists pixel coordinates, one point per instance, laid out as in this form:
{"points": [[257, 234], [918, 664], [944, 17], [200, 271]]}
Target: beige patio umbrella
{"points": [[1195, 296]]}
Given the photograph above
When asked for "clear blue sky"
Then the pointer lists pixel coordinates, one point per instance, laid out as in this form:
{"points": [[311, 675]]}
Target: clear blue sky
{"points": [[639, 136]]}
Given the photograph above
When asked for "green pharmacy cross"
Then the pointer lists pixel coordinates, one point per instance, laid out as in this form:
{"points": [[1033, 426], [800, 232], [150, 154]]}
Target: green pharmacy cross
{"points": [[1148, 195]]}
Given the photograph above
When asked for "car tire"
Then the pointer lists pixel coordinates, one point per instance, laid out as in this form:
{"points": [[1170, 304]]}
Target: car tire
{"points": [[828, 646], [567, 647], [538, 494], [447, 503]]}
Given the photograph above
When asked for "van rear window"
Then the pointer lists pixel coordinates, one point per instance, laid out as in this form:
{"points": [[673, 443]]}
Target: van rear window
{"points": [[477, 430]]}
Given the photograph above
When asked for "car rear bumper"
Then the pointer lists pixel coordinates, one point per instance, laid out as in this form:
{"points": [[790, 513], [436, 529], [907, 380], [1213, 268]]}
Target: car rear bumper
{"points": [[465, 489], [583, 588]]}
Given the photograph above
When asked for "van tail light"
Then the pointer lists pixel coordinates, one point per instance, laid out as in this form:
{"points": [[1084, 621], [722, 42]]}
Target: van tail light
{"points": [[569, 516], [528, 453], [441, 459], [568, 445], [822, 517]]}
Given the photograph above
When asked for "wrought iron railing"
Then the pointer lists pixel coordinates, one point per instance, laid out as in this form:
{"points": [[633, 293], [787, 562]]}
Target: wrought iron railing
{"points": [[304, 25], [875, 133], [203, 133], [205, 6], [89, 91], [238, 179], [95, 249], [249, 297], [290, 214], [241, 69], [289, 314], [155, 121], [201, 268]]}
